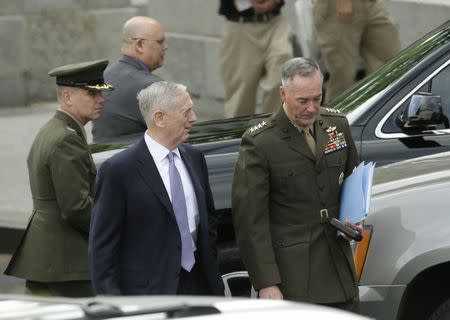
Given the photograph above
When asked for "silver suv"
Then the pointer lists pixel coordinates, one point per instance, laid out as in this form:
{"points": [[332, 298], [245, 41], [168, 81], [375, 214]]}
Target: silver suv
{"points": [[404, 260]]}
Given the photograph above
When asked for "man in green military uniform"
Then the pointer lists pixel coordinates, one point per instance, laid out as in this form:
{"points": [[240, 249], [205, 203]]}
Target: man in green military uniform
{"points": [[52, 254], [286, 189]]}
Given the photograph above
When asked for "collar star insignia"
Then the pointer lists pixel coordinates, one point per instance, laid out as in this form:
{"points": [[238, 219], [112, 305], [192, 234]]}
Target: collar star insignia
{"points": [[330, 129]]}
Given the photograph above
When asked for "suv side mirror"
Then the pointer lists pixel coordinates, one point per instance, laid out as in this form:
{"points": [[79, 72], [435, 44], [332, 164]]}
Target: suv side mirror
{"points": [[424, 112]]}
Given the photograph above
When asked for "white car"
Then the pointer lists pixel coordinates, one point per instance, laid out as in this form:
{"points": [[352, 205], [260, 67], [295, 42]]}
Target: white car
{"points": [[164, 307]]}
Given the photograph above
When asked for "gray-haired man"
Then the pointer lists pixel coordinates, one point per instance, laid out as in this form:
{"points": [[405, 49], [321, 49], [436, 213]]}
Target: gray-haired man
{"points": [[153, 228], [286, 188]]}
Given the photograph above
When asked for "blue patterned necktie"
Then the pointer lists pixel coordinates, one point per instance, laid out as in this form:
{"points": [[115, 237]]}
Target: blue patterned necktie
{"points": [[180, 210]]}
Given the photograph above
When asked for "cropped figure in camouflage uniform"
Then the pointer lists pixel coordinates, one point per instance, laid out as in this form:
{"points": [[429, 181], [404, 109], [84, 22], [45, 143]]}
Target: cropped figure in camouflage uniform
{"points": [[285, 191], [52, 254]]}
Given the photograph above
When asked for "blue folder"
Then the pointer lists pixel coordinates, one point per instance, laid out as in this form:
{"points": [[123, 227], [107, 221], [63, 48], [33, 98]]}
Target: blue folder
{"points": [[355, 193]]}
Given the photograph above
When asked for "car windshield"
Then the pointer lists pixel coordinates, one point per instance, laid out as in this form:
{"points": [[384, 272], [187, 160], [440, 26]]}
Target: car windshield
{"points": [[358, 98]]}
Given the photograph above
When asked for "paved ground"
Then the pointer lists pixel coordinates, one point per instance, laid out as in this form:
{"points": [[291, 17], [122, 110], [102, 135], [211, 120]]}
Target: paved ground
{"points": [[18, 127]]}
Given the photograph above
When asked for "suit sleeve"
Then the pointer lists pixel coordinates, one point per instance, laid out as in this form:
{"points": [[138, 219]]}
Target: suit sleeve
{"points": [[69, 164], [250, 207], [105, 233]]}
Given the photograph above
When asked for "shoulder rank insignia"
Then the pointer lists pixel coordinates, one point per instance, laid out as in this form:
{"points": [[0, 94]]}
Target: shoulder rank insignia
{"points": [[333, 110], [258, 126], [71, 129]]}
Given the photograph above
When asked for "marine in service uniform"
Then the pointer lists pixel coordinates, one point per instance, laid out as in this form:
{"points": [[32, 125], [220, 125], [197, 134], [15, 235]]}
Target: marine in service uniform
{"points": [[284, 195], [52, 254]]}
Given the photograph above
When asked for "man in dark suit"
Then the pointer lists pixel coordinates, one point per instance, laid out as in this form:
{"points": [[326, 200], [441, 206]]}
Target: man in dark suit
{"points": [[52, 254], [153, 228], [286, 189], [143, 49]]}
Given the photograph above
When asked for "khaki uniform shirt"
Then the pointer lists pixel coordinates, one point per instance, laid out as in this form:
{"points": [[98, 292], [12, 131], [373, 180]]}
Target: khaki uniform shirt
{"points": [[283, 197]]}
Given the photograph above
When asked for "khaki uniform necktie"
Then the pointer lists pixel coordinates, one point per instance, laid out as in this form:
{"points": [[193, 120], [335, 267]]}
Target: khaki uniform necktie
{"points": [[310, 140]]}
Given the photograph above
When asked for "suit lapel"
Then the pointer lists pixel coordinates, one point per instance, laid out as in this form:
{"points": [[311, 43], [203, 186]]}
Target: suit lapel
{"points": [[295, 140], [198, 189], [322, 137], [150, 174]]}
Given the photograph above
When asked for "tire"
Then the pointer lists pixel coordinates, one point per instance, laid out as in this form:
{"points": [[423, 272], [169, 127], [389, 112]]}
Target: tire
{"points": [[442, 312]]}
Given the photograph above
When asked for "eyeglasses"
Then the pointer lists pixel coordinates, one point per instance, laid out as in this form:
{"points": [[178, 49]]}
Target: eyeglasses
{"points": [[159, 41]]}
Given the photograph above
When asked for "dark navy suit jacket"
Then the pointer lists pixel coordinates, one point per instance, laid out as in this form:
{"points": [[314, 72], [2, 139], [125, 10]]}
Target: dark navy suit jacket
{"points": [[134, 242], [121, 120]]}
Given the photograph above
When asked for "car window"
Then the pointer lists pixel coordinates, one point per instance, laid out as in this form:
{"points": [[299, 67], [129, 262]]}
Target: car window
{"points": [[439, 85]]}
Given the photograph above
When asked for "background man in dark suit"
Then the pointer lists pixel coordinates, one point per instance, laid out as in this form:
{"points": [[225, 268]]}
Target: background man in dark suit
{"points": [[153, 229], [286, 188], [52, 255], [143, 49]]}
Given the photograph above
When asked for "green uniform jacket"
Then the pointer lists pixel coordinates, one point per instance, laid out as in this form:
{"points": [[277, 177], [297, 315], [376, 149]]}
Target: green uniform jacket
{"points": [[279, 190], [62, 178]]}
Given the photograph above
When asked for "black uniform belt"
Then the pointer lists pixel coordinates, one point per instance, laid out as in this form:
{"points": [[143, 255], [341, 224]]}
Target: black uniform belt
{"points": [[254, 18]]}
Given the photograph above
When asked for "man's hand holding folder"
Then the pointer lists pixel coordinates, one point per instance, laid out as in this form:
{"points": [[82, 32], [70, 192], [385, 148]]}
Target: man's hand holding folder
{"points": [[355, 196]]}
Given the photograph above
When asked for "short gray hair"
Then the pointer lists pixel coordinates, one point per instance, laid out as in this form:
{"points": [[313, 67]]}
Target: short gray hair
{"points": [[302, 67], [60, 92], [159, 95]]}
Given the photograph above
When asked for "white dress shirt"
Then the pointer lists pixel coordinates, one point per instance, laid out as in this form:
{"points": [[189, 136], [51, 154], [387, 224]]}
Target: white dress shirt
{"points": [[159, 154]]}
